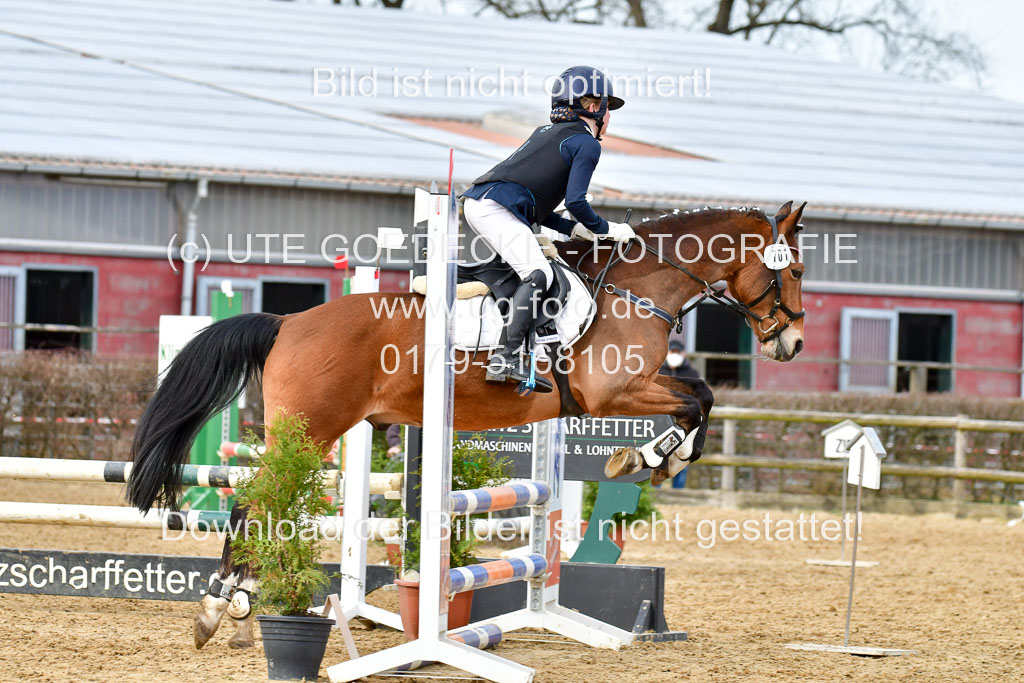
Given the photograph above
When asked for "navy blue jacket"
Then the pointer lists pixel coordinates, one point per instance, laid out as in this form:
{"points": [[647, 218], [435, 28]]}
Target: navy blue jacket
{"points": [[580, 153]]}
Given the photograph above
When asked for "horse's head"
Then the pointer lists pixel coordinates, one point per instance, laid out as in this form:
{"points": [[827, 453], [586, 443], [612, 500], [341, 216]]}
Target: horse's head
{"points": [[772, 293]]}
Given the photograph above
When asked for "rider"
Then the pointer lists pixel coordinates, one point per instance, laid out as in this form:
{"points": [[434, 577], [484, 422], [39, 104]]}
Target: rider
{"points": [[556, 162]]}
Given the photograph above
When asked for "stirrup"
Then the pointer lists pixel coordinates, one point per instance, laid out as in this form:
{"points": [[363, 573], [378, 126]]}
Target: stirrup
{"points": [[527, 380], [497, 374]]}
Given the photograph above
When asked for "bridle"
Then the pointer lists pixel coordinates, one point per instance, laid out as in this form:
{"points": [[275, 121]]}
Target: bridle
{"points": [[744, 310]]}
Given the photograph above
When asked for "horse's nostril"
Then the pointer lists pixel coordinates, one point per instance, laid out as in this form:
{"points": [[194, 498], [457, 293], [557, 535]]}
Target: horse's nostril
{"points": [[798, 347]]}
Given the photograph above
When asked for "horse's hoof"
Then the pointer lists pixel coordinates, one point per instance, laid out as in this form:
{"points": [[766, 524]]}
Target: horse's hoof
{"points": [[622, 462], [242, 637], [201, 632], [686, 448], [236, 643], [658, 476]]}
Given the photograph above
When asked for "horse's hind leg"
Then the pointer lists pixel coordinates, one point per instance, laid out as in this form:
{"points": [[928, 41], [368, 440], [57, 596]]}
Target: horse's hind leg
{"points": [[656, 398], [217, 601], [240, 610]]}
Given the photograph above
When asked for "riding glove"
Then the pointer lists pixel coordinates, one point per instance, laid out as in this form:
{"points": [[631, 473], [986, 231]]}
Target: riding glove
{"points": [[617, 232]]}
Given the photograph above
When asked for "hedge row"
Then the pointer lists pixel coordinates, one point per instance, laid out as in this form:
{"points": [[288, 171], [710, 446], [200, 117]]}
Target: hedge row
{"points": [[80, 406]]}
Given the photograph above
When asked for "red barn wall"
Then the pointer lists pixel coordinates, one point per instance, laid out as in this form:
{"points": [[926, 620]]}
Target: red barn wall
{"points": [[135, 292], [987, 333]]}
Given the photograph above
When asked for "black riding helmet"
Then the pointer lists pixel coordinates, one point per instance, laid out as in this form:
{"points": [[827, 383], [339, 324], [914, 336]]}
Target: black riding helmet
{"points": [[578, 81]]}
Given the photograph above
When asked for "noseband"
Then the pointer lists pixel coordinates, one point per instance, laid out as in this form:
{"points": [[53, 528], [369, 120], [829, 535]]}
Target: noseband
{"points": [[744, 310]]}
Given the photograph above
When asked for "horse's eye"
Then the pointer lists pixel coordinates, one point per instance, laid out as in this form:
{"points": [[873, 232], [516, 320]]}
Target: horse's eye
{"points": [[797, 273]]}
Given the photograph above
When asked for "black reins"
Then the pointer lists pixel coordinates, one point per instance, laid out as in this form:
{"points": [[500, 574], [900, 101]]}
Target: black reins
{"points": [[719, 296]]}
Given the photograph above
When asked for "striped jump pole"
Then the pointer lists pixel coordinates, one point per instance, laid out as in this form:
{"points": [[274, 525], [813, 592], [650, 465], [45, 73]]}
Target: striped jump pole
{"points": [[377, 528], [481, 638], [113, 516], [542, 609], [115, 472], [494, 498], [233, 449], [475, 576]]}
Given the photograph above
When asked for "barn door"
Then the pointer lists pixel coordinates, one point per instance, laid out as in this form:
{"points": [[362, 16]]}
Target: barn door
{"points": [[12, 308], [868, 334]]}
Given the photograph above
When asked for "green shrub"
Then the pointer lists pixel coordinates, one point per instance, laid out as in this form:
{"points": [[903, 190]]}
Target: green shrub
{"points": [[472, 468], [287, 490]]}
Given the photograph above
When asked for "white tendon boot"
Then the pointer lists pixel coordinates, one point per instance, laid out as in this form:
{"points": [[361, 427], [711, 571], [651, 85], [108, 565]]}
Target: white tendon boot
{"points": [[212, 609], [240, 612]]}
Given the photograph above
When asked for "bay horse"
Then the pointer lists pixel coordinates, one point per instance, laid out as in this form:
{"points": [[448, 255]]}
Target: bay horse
{"points": [[326, 363]]}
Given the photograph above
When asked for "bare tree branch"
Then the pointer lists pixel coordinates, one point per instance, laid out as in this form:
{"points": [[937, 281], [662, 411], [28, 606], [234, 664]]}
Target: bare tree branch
{"points": [[723, 18], [637, 14]]}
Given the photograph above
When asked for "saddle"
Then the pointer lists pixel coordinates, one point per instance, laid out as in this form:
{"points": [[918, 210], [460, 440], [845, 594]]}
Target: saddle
{"points": [[497, 278]]}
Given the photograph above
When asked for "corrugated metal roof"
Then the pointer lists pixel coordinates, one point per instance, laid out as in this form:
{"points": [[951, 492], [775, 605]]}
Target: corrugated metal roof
{"points": [[227, 85]]}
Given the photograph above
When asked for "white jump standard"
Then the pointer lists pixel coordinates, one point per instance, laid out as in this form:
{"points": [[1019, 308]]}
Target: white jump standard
{"points": [[433, 644]]}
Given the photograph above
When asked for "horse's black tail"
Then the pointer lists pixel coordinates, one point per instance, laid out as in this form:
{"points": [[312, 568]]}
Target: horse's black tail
{"points": [[202, 380]]}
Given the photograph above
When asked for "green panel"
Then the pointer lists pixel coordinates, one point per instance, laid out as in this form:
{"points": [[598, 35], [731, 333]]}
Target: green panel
{"points": [[220, 428], [611, 499]]}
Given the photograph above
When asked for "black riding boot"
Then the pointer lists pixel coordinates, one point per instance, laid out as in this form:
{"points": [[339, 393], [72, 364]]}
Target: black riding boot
{"points": [[511, 362]]}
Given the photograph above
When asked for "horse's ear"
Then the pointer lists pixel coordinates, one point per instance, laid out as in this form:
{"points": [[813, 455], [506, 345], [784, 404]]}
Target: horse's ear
{"points": [[791, 223], [784, 211]]}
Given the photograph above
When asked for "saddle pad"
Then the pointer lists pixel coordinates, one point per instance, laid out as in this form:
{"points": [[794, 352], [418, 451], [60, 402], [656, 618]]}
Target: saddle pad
{"points": [[477, 323]]}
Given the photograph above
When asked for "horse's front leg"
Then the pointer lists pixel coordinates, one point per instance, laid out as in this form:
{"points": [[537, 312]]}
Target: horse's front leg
{"points": [[653, 398], [699, 389], [229, 593]]}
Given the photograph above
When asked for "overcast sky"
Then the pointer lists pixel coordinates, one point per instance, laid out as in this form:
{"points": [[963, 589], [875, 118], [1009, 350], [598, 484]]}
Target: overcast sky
{"points": [[997, 26]]}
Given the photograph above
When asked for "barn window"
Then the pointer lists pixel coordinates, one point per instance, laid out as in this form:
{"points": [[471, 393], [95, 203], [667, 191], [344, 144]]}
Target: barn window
{"points": [[925, 337], [879, 338], [206, 285], [715, 329], [285, 296], [59, 297], [268, 294]]}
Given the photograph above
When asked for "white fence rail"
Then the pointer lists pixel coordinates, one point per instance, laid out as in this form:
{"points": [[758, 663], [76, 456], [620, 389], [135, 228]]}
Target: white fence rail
{"points": [[729, 460]]}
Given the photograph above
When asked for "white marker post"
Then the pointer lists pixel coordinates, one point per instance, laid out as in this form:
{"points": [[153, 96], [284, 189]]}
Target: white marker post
{"points": [[838, 440], [355, 497], [866, 470]]}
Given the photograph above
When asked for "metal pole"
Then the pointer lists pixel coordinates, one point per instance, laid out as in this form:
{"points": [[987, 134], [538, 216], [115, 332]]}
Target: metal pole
{"points": [[856, 535], [959, 461], [728, 485], [414, 435], [190, 249], [846, 470]]}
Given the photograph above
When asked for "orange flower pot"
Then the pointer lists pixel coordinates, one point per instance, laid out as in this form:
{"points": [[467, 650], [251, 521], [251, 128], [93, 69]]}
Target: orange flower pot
{"points": [[409, 608]]}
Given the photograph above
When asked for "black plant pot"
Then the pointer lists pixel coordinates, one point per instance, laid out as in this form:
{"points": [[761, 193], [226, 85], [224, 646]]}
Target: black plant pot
{"points": [[294, 646]]}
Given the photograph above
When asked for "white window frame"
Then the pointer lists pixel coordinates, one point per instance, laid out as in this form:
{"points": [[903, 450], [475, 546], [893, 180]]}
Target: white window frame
{"points": [[19, 303], [847, 315], [207, 283]]}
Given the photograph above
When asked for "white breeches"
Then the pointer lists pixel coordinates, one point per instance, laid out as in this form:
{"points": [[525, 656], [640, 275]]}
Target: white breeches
{"points": [[508, 236]]}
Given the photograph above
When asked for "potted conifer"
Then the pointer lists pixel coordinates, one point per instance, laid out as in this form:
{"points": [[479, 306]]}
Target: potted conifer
{"points": [[472, 468], [281, 544]]}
